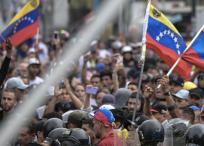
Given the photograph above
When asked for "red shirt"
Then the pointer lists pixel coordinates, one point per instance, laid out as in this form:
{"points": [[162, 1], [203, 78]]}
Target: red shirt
{"points": [[111, 139]]}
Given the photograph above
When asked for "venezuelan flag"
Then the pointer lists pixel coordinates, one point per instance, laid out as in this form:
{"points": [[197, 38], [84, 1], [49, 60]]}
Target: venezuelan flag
{"points": [[195, 54], [166, 41], [23, 25]]}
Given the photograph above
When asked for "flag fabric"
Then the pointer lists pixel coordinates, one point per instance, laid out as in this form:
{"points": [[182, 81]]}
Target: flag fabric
{"points": [[165, 40], [23, 25], [195, 53]]}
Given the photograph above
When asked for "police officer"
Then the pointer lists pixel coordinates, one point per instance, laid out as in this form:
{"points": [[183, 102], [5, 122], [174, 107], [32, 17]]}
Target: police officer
{"points": [[195, 135], [51, 124], [150, 133], [68, 137]]}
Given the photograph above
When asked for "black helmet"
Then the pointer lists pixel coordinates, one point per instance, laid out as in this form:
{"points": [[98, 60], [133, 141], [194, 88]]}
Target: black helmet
{"points": [[51, 124], [195, 135], [63, 136], [151, 132]]}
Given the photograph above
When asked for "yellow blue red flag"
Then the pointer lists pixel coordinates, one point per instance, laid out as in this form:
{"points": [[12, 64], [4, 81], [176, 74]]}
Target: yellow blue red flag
{"points": [[195, 53], [23, 25], [165, 40]]}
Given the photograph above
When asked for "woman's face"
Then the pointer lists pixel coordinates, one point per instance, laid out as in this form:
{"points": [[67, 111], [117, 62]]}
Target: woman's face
{"points": [[80, 91]]}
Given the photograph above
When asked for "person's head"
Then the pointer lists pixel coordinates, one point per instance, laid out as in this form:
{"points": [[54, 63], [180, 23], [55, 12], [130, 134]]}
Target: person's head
{"points": [[106, 79], [176, 83], [22, 70], [181, 98], [108, 99], [99, 97], [74, 119], [87, 125], [201, 80], [18, 86], [33, 67], [150, 132], [196, 111], [121, 97], [26, 135], [80, 91], [51, 124], [127, 52], [188, 114], [103, 122], [8, 100], [96, 81], [68, 137], [196, 95], [63, 95], [160, 112], [133, 101], [201, 115], [132, 86], [116, 46], [195, 135]]}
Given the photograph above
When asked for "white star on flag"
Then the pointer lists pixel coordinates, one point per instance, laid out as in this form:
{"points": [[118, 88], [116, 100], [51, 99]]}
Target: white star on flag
{"points": [[175, 40], [158, 39], [161, 34], [172, 34], [177, 46]]}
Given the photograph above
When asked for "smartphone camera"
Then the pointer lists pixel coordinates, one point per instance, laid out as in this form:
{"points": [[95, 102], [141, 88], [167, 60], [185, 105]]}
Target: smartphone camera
{"points": [[91, 90]]}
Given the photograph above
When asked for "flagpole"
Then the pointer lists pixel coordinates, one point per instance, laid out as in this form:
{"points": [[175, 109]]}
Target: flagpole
{"points": [[179, 59], [37, 36], [142, 59]]}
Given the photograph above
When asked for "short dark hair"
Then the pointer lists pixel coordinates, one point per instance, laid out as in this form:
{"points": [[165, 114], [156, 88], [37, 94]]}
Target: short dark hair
{"points": [[106, 73]]}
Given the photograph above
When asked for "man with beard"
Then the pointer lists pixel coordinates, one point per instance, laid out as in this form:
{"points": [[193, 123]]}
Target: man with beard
{"points": [[103, 127], [8, 102]]}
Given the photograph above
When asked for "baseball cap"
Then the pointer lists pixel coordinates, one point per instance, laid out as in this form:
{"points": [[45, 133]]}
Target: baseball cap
{"points": [[194, 108], [159, 108], [15, 82], [196, 92], [182, 94], [189, 85], [107, 106], [126, 49], [105, 116], [31, 50], [33, 61], [116, 45]]}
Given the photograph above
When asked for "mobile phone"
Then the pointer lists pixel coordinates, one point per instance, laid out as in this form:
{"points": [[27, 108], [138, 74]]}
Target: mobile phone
{"points": [[91, 90]]}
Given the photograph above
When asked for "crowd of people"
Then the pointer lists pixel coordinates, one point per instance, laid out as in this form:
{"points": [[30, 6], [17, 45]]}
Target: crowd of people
{"points": [[94, 104]]}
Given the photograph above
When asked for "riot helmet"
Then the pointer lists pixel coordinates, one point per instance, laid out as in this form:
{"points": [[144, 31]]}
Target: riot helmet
{"points": [[195, 135], [150, 132], [175, 130], [68, 137], [51, 124]]}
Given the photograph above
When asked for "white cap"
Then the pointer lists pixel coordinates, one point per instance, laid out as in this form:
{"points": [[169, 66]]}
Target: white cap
{"points": [[31, 50], [15, 82], [126, 49], [33, 61]]}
